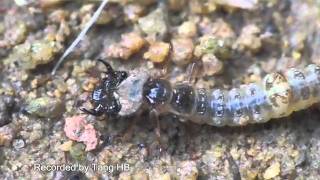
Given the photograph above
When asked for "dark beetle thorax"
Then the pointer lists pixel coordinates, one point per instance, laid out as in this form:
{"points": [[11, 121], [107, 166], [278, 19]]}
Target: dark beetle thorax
{"points": [[179, 99], [156, 92], [183, 99]]}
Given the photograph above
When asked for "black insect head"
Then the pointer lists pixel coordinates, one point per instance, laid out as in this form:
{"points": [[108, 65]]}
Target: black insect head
{"points": [[104, 97]]}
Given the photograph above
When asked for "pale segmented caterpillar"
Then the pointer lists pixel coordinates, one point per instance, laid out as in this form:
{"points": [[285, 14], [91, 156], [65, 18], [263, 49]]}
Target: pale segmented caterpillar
{"points": [[278, 95]]}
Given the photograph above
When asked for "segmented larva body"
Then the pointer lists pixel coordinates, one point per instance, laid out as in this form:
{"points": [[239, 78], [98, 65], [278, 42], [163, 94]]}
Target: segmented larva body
{"points": [[278, 95]]}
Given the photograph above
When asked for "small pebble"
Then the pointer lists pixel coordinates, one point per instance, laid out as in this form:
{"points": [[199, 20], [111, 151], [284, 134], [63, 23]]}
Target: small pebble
{"points": [[249, 174], [51, 3], [77, 152], [187, 29], [176, 5], [104, 18], [18, 144], [16, 34], [141, 175], [125, 176], [77, 129], [188, 170], [6, 135], [130, 44], [222, 29], [134, 11], [66, 146], [165, 176], [211, 65], [35, 136], [200, 7], [140, 2], [22, 2], [2, 28], [157, 52], [272, 171], [59, 15], [241, 4], [182, 51], [249, 39], [132, 41], [154, 24]]}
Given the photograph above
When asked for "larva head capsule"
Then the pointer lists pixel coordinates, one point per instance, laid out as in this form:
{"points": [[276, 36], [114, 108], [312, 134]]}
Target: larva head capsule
{"points": [[278, 93]]}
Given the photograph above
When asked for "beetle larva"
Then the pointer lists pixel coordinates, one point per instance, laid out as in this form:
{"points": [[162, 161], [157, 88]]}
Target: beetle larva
{"points": [[278, 95]]}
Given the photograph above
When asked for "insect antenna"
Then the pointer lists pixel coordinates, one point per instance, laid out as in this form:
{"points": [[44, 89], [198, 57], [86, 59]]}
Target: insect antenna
{"points": [[108, 66]]}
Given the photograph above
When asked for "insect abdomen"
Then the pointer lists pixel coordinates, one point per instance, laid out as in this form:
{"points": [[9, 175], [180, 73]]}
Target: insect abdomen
{"points": [[239, 106], [275, 97]]}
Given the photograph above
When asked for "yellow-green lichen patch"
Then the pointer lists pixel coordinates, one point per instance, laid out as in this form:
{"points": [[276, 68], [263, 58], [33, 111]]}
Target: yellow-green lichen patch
{"points": [[29, 55], [213, 45], [45, 107]]}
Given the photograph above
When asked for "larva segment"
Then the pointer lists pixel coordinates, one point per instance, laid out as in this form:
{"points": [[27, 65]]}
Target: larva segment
{"points": [[237, 108], [313, 81], [256, 103], [300, 89], [201, 107], [217, 104], [201, 104], [279, 94]]}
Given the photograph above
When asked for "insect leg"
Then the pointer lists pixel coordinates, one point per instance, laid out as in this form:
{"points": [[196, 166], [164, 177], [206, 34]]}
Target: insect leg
{"points": [[192, 71], [93, 112], [154, 115], [127, 133]]}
